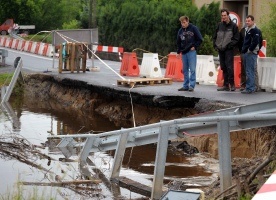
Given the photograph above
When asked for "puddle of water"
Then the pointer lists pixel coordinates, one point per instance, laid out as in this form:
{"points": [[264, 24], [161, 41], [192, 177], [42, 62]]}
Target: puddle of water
{"points": [[36, 121]]}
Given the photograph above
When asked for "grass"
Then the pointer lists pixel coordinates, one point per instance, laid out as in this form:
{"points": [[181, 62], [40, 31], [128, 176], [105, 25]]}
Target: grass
{"points": [[5, 79], [43, 37]]}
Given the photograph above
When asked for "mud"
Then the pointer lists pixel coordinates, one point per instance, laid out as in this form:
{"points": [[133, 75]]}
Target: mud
{"points": [[117, 106]]}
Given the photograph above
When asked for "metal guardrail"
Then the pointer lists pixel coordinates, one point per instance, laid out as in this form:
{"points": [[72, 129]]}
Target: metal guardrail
{"points": [[221, 122]]}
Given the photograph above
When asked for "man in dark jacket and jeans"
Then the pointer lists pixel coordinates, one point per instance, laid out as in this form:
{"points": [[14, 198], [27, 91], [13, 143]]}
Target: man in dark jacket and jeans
{"points": [[250, 51], [226, 37], [188, 40]]}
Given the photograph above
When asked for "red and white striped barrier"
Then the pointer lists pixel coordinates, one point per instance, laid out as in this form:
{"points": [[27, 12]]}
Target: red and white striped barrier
{"points": [[268, 190], [8, 42], [262, 52], [109, 49], [45, 49]]}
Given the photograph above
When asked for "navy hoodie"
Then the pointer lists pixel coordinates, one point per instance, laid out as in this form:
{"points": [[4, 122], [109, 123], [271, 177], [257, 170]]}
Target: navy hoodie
{"points": [[187, 38]]}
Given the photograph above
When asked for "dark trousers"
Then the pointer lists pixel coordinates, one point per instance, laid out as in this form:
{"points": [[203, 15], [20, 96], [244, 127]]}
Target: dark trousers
{"points": [[226, 59]]}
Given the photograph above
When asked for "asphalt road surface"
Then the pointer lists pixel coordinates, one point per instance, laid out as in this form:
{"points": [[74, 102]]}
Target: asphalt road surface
{"points": [[108, 75]]}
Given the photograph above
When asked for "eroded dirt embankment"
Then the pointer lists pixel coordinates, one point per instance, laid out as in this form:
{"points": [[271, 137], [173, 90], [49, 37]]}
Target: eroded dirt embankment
{"points": [[116, 105]]}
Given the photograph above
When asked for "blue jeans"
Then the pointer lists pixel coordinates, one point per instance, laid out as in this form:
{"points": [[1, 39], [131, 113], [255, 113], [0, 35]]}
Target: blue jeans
{"points": [[189, 69], [250, 60]]}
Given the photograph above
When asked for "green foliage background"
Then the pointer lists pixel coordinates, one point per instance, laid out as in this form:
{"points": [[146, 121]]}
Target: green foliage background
{"points": [[268, 27], [150, 25]]}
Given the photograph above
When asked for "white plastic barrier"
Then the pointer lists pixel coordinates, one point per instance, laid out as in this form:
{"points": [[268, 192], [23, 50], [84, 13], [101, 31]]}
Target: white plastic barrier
{"points": [[150, 66], [267, 73], [206, 72]]}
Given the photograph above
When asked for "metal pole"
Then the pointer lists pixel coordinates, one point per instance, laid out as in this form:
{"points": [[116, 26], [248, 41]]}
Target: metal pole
{"points": [[86, 149], [160, 162], [54, 48], [119, 156], [224, 152]]}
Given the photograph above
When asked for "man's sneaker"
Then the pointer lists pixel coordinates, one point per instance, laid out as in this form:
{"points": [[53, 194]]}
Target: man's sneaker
{"points": [[224, 88], [242, 89], [183, 89], [247, 92], [191, 89], [233, 88]]}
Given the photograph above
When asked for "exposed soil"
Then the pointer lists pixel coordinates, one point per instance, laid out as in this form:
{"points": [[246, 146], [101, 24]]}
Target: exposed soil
{"points": [[249, 147]]}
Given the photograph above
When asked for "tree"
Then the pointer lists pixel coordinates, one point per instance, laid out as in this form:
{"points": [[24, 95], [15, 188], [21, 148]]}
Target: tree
{"points": [[268, 27]]}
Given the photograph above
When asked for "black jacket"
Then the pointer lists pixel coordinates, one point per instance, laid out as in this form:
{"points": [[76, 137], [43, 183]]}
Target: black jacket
{"points": [[251, 40], [242, 36], [226, 36]]}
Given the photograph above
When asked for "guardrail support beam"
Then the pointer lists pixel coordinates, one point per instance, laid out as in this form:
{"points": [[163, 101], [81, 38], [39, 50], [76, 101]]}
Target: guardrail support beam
{"points": [[119, 156], [224, 152], [160, 162]]}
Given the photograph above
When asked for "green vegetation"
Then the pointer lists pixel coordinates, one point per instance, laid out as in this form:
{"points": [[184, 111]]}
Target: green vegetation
{"points": [[268, 27], [5, 79], [246, 197], [150, 25]]}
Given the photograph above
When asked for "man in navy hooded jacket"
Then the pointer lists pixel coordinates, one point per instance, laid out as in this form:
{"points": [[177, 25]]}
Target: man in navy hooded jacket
{"points": [[188, 40], [250, 51]]}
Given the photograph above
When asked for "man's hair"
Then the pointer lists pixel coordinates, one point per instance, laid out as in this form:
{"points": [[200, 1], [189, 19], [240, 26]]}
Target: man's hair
{"points": [[184, 18], [250, 16], [224, 10]]}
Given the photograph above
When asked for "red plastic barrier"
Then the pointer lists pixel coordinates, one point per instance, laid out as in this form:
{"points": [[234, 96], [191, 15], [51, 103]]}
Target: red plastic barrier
{"points": [[129, 66], [174, 68]]}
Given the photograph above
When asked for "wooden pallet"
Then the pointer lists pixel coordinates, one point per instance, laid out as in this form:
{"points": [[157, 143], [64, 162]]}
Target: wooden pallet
{"points": [[144, 81]]}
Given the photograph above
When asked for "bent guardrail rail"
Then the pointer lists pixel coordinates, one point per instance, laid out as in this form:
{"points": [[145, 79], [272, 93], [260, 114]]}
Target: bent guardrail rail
{"points": [[222, 122]]}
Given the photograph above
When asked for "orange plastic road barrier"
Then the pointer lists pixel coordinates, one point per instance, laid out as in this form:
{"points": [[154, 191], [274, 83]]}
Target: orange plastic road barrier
{"points": [[129, 66], [174, 68], [237, 73], [220, 79]]}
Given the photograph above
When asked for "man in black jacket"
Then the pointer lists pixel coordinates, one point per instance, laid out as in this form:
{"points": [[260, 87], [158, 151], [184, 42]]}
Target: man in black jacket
{"points": [[226, 37], [243, 74], [250, 49]]}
